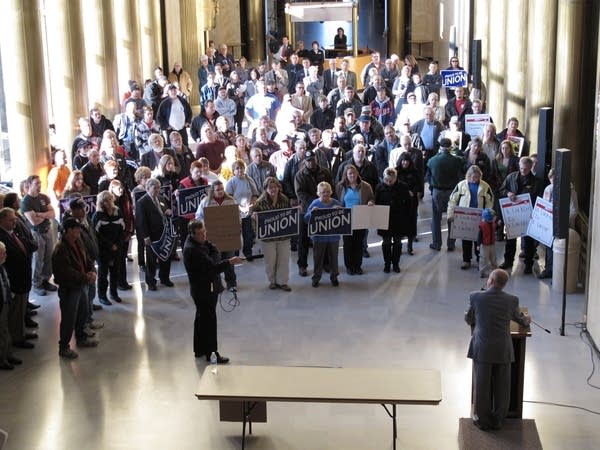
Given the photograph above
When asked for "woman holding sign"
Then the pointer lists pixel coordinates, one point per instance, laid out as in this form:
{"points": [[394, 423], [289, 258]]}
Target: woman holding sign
{"points": [[472, 192], [276, 250], [353, 191]]}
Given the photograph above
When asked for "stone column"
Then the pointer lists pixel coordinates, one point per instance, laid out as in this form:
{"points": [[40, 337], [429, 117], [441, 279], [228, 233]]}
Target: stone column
{"points": [[396, 27], [101, 57], [127, 44], [256, 31], [150, 56], [515, 61], [25, 89], [190, 44], [541, 64], [496, 79], [67, 71], [570, 115]]}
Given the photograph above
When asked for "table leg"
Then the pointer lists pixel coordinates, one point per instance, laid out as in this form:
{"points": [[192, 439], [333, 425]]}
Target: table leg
{"points": [[248, 407], [394, 428]]}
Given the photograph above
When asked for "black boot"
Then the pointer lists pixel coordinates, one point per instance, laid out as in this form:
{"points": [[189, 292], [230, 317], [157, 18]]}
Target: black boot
{"points": [[409, 246]]}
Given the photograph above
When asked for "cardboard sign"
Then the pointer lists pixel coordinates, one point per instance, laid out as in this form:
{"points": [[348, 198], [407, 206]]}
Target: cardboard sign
{"points": [[187, 201], [540, 226], [365, 217], [466, 223], [330, 222], [223, 227], [516, 215], [519, 142], [277, 223], [163, 248], [455, 78], [90, 205], [475, 123]]}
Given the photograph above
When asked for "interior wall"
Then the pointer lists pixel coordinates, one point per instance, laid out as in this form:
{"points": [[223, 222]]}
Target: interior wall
{"points": [[227, 29]]}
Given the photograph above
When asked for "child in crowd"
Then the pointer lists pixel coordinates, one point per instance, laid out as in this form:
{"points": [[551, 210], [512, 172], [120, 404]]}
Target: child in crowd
{"points": [[487, 242], [324, 245]]}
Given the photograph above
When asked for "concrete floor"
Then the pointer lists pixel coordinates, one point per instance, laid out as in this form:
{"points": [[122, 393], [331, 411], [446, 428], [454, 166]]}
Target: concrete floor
{"points": [[136, 390]]}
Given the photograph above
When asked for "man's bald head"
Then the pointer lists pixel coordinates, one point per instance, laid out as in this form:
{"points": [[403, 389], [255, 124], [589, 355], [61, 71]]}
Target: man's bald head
{"points": [[498, 279]]}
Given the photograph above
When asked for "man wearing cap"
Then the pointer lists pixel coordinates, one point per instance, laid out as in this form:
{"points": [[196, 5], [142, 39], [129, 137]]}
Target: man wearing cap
{"points": [[429, 131], [376, 125], [225, 106], [351, 122], [349, 100], [444, 171], [82, 156], [73, 272], [85, 134], [174, 114], [364, 129], [305, 187]]}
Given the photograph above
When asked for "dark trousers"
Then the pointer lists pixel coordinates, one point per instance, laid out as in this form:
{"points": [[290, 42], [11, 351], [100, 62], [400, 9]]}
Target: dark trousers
{"points": [[325, 251], [229, 272], [303, 245], [353, 249], [247, 236], [16, 316], [205, 324], [511, 249], [73, 313], [108, 270], [122, 263], [467, 250], [492, 392], [392, 249], [164, 267]]}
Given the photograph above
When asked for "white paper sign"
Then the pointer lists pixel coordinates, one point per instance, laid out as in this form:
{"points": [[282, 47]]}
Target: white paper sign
{"points": [[475, 123], [466, 223], [519, 142], [365, 217], [516, 215], [540, 226]]}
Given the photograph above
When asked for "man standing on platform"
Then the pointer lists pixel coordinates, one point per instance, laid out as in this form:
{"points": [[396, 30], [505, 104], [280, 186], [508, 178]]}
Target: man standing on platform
{"points": [[491, 349]]}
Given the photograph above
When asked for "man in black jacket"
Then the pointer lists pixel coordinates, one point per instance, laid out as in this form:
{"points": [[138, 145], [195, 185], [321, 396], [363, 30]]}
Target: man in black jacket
{"points": [[73, 272], [150, 212], [203, 265]]}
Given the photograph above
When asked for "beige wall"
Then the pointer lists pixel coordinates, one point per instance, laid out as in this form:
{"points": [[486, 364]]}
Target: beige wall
{"points": [[227, 29]]}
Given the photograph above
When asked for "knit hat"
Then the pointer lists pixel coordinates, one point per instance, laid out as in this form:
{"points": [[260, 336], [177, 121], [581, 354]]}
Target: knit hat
{"points": [[488, 215]]}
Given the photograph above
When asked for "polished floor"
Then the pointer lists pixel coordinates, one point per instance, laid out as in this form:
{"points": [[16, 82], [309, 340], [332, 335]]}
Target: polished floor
{"points": [[136, 390]]}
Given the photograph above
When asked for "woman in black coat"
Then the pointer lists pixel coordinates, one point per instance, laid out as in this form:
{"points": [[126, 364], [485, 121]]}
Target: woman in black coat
{"points": [[110, 229], [408, 174], [397, 196]]}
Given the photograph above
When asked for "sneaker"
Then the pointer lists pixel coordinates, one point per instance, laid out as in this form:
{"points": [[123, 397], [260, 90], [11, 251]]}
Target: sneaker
{"points": [[49, 286], [104, 301], [88, 332], [95, 325], [466, 265], [67, 353], [434, 247], [39, 291], [285, 287], [87, 343]]}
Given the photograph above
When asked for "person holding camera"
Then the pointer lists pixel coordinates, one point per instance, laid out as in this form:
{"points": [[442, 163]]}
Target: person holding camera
{"points": [[203, 264]]}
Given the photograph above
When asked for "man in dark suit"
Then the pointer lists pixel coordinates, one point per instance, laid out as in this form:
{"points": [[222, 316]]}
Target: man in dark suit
{"points": [[204, 265], [20, 246], [491, 349], [157, 144], [330, 77], [150, 212]]}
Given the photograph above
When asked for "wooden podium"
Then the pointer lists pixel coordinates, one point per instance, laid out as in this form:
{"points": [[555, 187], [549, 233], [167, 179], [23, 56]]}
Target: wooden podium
{"points": [[519, 335]]}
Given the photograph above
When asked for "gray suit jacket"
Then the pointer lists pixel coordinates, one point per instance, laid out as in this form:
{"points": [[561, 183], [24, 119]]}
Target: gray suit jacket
{"points": [[490, 313]]}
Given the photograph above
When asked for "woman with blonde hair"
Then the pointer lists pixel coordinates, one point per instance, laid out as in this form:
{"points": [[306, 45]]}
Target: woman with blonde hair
{"points": [[110, 228]]}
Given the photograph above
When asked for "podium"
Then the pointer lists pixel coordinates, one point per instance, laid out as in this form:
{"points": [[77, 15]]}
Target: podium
{"points": [[518, 336]]}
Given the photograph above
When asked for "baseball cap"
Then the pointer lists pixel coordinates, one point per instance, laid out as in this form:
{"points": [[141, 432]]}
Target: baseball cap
{"points": [[77, 203], [445, 143], [70, 222], [364, 118]]}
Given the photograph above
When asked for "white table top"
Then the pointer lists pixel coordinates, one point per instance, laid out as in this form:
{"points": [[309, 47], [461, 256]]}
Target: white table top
{"points": [[317, 384]]}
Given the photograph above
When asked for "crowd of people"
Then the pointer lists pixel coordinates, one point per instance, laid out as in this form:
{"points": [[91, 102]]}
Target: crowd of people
{"points": [[296, 134]]}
